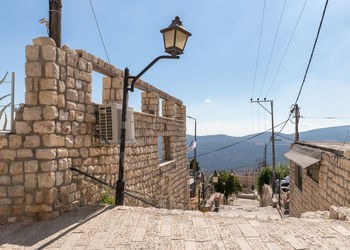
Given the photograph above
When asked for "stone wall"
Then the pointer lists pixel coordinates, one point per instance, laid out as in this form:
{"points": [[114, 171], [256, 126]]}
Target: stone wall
{"points": [[54, 131], [333, 187]]}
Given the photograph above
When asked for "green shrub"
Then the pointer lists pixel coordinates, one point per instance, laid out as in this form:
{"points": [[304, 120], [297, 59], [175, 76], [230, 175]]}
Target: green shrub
{"points": [[107, 198], [264, 177]]}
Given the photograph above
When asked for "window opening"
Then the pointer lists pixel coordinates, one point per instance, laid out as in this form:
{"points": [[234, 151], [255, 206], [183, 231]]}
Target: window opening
{"points": [[313, 172]]}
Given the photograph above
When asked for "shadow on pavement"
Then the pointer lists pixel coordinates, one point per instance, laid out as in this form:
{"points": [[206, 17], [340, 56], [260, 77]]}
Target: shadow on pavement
{"points": [[30, 234]]}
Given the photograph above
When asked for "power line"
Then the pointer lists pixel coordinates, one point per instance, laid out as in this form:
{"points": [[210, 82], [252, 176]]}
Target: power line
{"points": [[99, 31], [285, 137], [258, 54], [325, 117], [310, 59], [286, 50], [236, 143], [273, 46]]}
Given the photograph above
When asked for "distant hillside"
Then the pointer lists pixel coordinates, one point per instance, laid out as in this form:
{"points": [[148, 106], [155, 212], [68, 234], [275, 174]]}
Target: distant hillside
{"points": [[248, 152]]}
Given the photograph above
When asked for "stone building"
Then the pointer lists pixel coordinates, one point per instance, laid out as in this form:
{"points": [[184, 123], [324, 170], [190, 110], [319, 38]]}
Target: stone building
{"points": [[54, 131], [319, 176], [248, 178]]}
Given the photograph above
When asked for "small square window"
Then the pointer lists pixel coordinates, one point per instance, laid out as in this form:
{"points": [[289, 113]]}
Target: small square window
{"points": [[164, 148]]}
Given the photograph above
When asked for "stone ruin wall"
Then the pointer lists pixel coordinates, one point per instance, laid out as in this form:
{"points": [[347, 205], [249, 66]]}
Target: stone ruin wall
{"points": [[54, 131], [333, 187]]}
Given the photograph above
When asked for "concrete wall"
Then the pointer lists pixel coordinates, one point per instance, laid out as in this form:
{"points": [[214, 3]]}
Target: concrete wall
{"points": [[333, 187], [53, 132]]}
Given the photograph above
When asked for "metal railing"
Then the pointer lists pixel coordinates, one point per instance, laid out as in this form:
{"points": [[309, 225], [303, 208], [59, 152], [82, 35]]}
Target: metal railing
{"points": [[5, 105], [133, 194]]}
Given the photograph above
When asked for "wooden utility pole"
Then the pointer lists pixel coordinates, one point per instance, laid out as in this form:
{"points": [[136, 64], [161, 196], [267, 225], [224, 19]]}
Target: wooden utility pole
{"points": [[265, 148], [55, 21], [297, 116], [272, 138]]}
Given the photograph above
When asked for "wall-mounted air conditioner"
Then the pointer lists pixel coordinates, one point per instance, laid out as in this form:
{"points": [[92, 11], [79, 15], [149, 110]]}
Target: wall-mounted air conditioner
{"points": [[110, 123]]}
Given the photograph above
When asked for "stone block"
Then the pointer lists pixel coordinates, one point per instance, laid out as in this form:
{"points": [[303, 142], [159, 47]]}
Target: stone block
{"points": [[5, 180], [79, 116], [43, 41], [32, 113], [85, 76], [32, 53], [15, 141], [52, 70], [72, 95], [31, 98], [30, 180], [37, 208], [48, 84], [46, 180], [62, 152], [3, 191], [48, 166], [44, 127], [53, 140], [51, 196], [17, 179], [48, 97], [24, 153], [33, 69], [39, 197], [22, 128], [3, 168], [3, 142], [117, 83], [90, 118], [61, 86], [7, 154], [69, 141], [59, 178], [16, 167], [31, 141], [106, 82], [29, 83], [15, 191], [63, 164], [46, 154], [61, 57], [48, 52], [61, 102], [31, 166], [50, 112], [5, 201], [71, 115], [71, 105]]}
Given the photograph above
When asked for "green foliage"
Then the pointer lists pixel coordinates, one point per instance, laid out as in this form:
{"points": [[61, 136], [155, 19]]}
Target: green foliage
{"points": [[252, 187], [232, 184], [107, 198], [264, 177]]}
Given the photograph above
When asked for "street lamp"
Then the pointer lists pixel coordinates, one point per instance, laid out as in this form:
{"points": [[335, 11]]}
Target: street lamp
{"points": [[175, 38]]}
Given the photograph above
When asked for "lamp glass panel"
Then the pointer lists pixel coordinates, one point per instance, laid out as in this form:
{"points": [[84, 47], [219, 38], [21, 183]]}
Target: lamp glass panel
{"points": [[215, 179], [181, 38], [169, 38]]}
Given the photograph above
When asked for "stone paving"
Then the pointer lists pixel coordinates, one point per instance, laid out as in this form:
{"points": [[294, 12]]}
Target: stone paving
{"points": [[108, 227]]}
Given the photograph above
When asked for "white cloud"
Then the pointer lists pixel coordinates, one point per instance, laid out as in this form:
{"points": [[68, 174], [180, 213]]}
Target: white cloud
{"points": [[208, 101]]}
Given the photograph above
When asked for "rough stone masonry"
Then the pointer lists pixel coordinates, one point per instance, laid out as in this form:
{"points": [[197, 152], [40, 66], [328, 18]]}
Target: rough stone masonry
{"points": [[54, 131]]}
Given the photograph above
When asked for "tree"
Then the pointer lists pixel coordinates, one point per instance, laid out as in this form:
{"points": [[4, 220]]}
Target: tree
{"points": [[228, 184], [264, 177]]}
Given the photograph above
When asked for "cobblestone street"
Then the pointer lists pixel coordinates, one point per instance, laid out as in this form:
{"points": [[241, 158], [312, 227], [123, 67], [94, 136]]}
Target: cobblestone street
{"points": [[103, 227]]}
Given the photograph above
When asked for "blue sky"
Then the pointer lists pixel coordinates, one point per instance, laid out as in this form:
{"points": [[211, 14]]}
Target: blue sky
{"points": [[215, 75]]}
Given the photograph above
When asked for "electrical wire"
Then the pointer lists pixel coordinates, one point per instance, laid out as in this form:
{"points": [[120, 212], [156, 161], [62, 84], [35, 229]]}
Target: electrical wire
{"points": [[325, 117], [309, 62], [236, 143], [285, 137], [258, 53], [273, 46], [286, 49], [99, 31]]}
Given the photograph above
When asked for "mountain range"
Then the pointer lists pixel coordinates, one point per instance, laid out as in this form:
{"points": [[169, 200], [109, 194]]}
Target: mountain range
{"points": [[244, 155]]}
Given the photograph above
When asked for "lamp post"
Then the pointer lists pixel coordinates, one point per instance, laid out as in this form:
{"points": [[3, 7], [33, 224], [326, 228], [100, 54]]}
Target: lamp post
{"points": [[175, 38]]}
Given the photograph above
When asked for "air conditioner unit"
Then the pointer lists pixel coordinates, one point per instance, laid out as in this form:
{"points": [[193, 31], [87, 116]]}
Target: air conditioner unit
{"points": [[110, 116]]}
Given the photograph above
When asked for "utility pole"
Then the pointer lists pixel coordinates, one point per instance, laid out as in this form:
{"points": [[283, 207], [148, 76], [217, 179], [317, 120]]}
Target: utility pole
{"points": [[272, 138], [297, 116], [55, 21], [265, 148]]}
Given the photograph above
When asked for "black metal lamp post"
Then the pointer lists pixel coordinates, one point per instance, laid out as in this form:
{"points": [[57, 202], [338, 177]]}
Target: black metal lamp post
{"points": [[175, 38]]}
